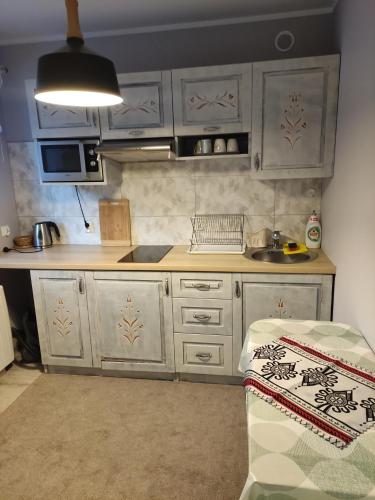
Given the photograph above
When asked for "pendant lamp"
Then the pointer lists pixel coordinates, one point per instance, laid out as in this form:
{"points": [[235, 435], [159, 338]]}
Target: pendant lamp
{"points": [[74, 75]]}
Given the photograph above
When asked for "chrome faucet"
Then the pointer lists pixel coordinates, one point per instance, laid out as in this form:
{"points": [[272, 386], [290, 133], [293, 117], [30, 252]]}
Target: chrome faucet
{"points": [[275, 240]]}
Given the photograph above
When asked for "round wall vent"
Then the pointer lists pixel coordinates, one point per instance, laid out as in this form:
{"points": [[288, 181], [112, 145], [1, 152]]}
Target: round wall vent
{"points": [[284, 41]]}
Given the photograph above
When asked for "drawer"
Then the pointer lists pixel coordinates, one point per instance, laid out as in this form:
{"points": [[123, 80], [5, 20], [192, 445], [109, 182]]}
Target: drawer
{"points": [[202, 285], [204, 354], [209, 316]]}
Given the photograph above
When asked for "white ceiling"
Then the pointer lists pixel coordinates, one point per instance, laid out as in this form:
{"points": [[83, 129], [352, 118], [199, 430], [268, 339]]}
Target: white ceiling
{"points": [[23, 21]]}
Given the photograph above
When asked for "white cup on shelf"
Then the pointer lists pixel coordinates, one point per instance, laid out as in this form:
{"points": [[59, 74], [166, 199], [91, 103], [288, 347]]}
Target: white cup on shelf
{"points": [[219, 146], [232, 145]]}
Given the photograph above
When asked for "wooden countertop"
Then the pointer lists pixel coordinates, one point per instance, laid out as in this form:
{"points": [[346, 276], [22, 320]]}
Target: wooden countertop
{"points": [[96, 258]]}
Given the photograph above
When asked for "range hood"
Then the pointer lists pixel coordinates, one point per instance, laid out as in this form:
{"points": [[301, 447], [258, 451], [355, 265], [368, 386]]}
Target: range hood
{"points": [[137, 150]]}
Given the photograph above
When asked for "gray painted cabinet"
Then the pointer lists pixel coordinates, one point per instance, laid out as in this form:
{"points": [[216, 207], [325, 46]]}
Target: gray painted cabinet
{"points": [[214, 99], [131, 320], [61, 311], [281, 296], [51, 122], [146, 110], [294, 117], [123, 321]]}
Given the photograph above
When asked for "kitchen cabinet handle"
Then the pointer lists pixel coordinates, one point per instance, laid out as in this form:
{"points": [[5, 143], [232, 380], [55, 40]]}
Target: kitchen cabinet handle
{"points": [[257, 161], [166, 287], [204, 356], [202, 286], [94, 118], [81, 286], [136, 132], [238, 289], [211, 129], [202, 317]]}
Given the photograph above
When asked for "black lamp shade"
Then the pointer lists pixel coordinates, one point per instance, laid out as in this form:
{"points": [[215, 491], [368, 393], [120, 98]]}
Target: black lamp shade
{"points": [[77, 76]]}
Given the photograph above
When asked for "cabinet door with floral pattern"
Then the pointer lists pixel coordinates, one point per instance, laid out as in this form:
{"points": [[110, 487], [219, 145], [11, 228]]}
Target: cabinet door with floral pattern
{"points": [[212, 100], [146, 110], [50, 121], [294, 117], [62, 317], [131, 321]]}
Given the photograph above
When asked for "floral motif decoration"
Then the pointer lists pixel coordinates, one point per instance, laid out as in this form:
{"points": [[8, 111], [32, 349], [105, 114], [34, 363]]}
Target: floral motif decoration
{"points": [[271, 352], [279, 371], [62, 320], [369, 405], [147, 106], [281, 310], [324, 376], [224, 100], [293, 123], [338, 401], [130, 325]]}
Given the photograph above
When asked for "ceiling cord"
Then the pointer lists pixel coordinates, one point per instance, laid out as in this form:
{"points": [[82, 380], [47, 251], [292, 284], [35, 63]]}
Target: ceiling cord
{"points": [[87, 224]]}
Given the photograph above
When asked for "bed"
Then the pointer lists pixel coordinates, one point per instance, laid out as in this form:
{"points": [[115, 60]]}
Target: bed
{"points": [[288, 461]]}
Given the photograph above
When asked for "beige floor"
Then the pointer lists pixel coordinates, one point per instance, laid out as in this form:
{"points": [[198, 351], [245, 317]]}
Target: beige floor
{"points": [[100, 438], [13, 382]]}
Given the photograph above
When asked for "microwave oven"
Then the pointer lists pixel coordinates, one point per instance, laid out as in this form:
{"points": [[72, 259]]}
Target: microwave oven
{"points": [[67, 160]]}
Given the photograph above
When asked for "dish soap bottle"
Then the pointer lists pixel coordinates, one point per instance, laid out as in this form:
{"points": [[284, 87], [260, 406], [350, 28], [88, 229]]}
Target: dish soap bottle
{"points": [[313, 234]]}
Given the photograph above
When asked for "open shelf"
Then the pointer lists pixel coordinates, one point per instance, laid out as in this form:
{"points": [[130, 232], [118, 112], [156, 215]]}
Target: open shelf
{"points": [[186, 146]]}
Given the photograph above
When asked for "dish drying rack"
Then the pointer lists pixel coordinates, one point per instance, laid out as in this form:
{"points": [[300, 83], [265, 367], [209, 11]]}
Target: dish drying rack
{"points": [[218, 234]]}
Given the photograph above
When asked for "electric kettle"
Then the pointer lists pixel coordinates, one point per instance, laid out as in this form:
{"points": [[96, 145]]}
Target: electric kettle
{"points": [[42, 234]]}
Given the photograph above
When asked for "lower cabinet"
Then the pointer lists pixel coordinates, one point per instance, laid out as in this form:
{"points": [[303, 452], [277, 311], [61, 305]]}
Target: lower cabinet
{"points": [[281, 296], [127, 321], [62, 317], [131, 321]]}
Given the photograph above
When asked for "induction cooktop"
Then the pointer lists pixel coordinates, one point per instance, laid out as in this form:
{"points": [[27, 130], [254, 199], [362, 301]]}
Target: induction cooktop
{"points": [[147, 254]]}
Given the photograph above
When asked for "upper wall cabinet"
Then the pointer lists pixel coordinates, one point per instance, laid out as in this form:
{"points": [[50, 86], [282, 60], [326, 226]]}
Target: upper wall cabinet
{"points": [[294, 117], [51, 122], [214, 99], [146, 110]]}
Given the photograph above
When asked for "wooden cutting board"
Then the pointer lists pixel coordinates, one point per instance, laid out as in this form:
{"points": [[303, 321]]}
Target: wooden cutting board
{"points": [[115, 227]]}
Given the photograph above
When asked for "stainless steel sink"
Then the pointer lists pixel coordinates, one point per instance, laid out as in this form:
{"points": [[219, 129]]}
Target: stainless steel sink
{"points": [[278, 256]]}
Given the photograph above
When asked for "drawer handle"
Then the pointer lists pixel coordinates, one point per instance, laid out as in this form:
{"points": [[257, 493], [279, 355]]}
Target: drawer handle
{"points": [[202, 317], [204, 356], [136, 132], [202, 286], [81, 286], [211, 129]]}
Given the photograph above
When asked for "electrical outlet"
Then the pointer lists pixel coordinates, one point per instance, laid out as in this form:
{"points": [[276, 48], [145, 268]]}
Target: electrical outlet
{"points": [[5, 231], [91, 228]]}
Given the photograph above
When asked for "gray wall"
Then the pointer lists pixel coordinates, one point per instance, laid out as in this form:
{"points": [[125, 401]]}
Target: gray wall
{"points": [[8, 212], [348, 204], [165, 50]]}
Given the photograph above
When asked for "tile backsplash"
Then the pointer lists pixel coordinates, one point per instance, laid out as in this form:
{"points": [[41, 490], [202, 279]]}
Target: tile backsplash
{"points": [[163, 196]]}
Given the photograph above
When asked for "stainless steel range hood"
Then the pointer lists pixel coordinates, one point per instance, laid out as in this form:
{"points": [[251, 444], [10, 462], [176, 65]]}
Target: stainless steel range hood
{"points": [[138, 150]]}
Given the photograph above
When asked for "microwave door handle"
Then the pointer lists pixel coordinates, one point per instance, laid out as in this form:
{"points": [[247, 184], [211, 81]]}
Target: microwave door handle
{"points": [[83, 161]]}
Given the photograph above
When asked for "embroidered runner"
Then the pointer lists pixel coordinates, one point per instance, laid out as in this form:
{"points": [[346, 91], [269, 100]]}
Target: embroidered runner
{"points": [[328, 395]]}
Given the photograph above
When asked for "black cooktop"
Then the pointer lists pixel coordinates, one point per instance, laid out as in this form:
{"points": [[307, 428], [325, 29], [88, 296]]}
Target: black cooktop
{"points": [[147, 254]]}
